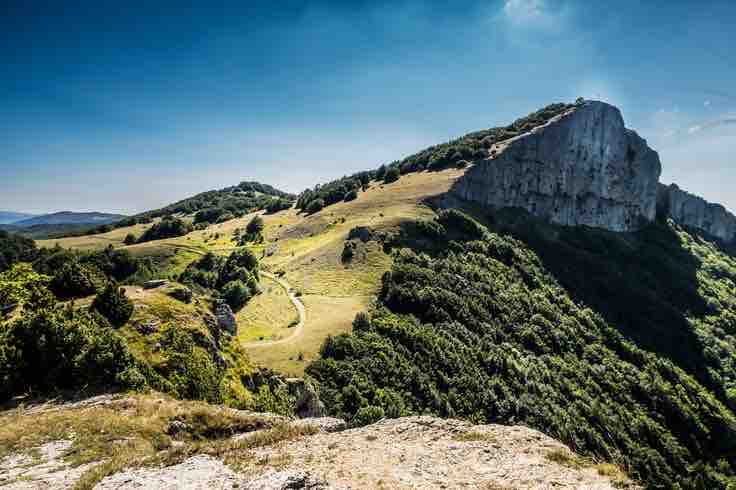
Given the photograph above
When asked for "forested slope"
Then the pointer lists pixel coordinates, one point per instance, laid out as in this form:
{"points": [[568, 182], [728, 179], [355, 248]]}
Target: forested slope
{"points": [[619, 345]]}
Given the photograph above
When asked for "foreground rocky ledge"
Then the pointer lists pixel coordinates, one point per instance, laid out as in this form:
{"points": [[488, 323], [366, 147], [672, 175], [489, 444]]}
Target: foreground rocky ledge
{"points": [[281, 453]]}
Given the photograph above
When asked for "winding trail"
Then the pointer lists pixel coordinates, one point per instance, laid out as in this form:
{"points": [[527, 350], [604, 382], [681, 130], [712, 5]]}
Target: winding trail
{"points": [[301, 312]]}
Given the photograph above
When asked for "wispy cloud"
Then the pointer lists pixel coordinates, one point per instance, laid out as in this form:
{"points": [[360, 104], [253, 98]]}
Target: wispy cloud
{"points": [[525, 11]]}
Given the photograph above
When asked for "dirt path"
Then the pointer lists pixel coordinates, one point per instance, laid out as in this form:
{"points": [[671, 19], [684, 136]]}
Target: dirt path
{"points": [[301, 312]]}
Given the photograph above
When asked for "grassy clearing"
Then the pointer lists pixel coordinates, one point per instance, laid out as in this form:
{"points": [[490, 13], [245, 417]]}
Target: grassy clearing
{"points": [[335, 316], [268, 316], [96, 242], [307, 249], [139, 431]]}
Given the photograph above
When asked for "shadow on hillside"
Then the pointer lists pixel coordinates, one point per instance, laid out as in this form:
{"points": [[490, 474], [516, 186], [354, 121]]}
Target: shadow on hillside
{"points": [[644, 284]]}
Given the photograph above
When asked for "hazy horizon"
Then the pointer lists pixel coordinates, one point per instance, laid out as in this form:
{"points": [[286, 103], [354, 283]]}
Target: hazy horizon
{"points": [[125, 108]]}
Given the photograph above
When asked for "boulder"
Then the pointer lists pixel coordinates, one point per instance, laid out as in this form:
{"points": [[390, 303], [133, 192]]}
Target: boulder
{"points": [[306, 398], [226, 319], [581, 168]]}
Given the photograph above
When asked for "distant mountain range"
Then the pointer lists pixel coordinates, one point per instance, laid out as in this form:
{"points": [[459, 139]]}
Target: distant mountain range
{"points": [[8, 217], [54, 225], [70, 218]]}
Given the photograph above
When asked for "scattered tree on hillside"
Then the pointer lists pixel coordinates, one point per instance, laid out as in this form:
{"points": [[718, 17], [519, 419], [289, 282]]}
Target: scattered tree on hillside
{"points": [[315, 206], [392, 175], [130, 239], [113, 304], [168, 227]]}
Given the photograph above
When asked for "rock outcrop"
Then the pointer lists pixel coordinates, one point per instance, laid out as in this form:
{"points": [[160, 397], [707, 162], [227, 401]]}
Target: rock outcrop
{"points": [[581, 168], [226, 319], [695, 212]]}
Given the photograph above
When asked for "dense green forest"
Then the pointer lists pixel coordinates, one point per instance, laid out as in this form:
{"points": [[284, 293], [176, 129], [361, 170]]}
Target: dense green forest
{"points": [[619, 345], [455, 153]]}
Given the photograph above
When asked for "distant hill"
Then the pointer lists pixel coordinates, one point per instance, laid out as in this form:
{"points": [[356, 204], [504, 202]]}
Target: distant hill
{"points": [[70, 218], [8, 217]]}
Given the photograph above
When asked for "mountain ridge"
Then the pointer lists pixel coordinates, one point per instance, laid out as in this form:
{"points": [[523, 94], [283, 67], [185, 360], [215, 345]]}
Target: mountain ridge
{"points": [[10, 217], [71, 218]]}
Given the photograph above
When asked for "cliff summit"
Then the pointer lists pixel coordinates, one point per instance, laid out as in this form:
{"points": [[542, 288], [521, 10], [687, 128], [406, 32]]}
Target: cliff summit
{"points": [[583, 167]]}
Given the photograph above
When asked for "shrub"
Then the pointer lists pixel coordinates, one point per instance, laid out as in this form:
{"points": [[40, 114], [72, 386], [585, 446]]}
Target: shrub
{"points": [[114, 305], [362, 321], [236, 294], [392, 175], [348, 252], [130, 239], [58, 348], [115, 264], [75, 280], [367, 415], [168, 227], [315, 206], [255, 226], [351, 195], [182, 294]]}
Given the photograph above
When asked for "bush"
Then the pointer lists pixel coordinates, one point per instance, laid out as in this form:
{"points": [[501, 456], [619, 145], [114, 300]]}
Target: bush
{"points": [[362, 321], [114, 305], [392, 175], [182, 294], [367, 415], [57, 348], [351, 195], [255, 226], [130, 239], [236, 294], [168, 227], [348, 252], [75, 280], [315, 206]]}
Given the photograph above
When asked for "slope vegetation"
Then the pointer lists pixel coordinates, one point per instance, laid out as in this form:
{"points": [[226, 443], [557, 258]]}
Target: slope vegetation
{"points": [[477, 325]]}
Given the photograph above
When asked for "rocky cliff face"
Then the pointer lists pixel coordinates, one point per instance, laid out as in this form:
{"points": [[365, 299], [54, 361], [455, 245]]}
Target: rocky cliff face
{"points": [[581, 168], [695, 212]]}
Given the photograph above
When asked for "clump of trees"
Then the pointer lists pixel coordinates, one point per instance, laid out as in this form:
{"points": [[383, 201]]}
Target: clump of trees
{"points": [[113, 304], [472, 324], [168, 227], [253, 231], [15, 248], [234, 279]]}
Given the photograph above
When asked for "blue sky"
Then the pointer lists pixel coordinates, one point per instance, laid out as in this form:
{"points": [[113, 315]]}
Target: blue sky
{"points": [[126, 106]]}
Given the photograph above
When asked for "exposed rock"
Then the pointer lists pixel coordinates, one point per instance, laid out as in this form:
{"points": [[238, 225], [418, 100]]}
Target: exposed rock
{"points": [[287, 480], [197, 473], [426, 452], [323, 424], [581, 168], [307, 402], [148, 327], [45, 469], [226, 319], [156, 283], [695, 212]]}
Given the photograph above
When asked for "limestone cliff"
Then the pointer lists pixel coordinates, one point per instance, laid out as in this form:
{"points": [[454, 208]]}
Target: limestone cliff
{"points": [[581, 168], [695, 212]]}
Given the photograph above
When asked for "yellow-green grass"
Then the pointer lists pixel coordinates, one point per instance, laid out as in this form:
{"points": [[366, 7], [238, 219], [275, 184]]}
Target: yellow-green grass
{"points": [[157, 305], [308, 250], [326, 316], [268, 316], [95, 242]]}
